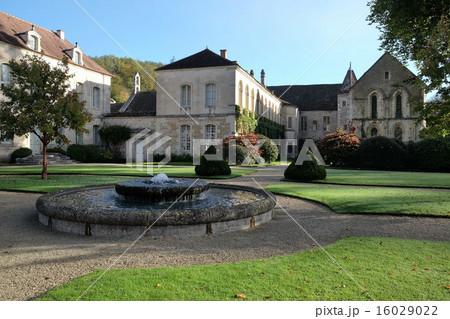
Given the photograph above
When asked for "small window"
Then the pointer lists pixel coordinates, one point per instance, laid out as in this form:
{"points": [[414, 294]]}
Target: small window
{"points": [[210, 95], [386, 75], [186, 96], [373, 132], [289, 125], [398, 133], [96, 97], [303, 123], [6, 74], [344, 103], [33, 42], [185, 138], [314, 125], [326, 123]]}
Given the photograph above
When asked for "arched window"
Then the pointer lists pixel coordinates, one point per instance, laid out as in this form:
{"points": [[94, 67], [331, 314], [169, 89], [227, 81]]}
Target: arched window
{"points": [[398, 106], [210, 131], [373, 132], [240, 92], [374, 106], [185, 138], [247, 104], [6, 74], [398, 133], [186, 96], [210, 99]]}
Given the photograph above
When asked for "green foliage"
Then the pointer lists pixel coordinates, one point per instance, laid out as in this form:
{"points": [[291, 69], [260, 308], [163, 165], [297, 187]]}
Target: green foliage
{"points": [[308, 171], [381, 152], [338, 148], [124, 70], [20, 153], [245, 120], [433, 154], [212, 168], [39, 100], [57, 150], [269, 149], [269, 128], [85, 153], [419, 30]]}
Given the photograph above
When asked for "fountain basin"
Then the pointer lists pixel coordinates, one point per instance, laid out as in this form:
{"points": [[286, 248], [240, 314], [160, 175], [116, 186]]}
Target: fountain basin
{"points": [[99, 211]]}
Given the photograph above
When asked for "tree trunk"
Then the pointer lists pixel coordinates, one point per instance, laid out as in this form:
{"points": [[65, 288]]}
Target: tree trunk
{"points": [[44, 162]]}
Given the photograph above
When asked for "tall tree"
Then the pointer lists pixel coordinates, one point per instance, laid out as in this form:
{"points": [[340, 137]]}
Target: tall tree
{"points": [[39, 100], [419, 30]]}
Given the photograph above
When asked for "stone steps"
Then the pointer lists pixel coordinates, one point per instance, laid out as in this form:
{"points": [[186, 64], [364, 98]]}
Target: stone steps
{"points": [[52, 159]]}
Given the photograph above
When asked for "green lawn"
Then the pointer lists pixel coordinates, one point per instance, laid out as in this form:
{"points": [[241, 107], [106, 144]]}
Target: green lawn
{"points": [[376, 200], [380, 178], [118, 170], [389, 269]]}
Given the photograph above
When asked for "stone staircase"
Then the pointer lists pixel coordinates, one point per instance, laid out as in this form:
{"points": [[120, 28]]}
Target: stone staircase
{"points": [[52, 159]]}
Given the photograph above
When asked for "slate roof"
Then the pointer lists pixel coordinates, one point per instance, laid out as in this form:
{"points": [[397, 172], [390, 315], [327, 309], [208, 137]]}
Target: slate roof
{"points": [[202, 59], [315, 97], [142, 104], [349, 81], [51, 44]]}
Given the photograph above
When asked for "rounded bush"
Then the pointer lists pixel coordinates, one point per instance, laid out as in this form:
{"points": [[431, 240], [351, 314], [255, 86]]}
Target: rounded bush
{"points": [[269, 149], [56, 150], [339, 148], [308, 171], [433, 154], [212, 168], [381, 152], [20, 153]]}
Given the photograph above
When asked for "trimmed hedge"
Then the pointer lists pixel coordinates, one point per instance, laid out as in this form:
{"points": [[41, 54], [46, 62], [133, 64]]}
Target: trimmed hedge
{"points": [[20, 153], [308, 171], [212, 168], [381, 152]]}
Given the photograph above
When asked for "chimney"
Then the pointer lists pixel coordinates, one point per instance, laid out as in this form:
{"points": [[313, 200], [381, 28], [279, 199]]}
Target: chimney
{"points": [[252, 73], [60, 34], [263, 77], [223, 53]]}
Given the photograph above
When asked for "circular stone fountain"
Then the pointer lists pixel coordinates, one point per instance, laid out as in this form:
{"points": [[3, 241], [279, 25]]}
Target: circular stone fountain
{"points": [[159, 206]]}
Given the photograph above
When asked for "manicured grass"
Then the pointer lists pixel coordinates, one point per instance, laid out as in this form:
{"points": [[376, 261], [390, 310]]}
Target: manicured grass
{"points": [[34, 183], [376, 200], [380, 178], [389, 269], [119, 170]]}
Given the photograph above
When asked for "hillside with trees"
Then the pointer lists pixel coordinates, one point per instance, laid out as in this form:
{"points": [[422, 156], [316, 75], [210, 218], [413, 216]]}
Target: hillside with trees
{"points": [[123, 70]]}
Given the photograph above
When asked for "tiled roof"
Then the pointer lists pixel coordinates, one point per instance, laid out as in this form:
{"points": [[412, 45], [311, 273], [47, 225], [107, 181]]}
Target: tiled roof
{"points": [[315, 97], [349, 81], [51, 44], [142, 104], [202, 59]]}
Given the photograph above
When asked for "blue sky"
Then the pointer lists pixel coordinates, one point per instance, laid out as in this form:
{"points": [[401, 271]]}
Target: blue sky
{"points": [[284, 37]]}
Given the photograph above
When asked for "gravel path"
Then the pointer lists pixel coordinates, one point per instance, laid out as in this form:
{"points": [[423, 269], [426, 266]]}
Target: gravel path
{"points": [[34, 259]]}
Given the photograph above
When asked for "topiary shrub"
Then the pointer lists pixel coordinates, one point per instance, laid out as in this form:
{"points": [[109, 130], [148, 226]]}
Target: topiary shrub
{"points": [[433, 154], [269, 149], [20, 153], [212, 168], [58, 150], [308, 171], [339, 148], [85, 153], [381, 152]]}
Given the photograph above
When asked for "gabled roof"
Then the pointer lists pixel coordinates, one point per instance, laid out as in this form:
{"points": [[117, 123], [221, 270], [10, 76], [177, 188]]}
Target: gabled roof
{"points": [[51, 44], [202, 59], [349, 80], [141, 104], [315, 97]]}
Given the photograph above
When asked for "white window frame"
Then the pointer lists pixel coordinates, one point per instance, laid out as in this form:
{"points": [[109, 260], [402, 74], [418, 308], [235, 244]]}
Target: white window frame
{"points": [[210, 95]]}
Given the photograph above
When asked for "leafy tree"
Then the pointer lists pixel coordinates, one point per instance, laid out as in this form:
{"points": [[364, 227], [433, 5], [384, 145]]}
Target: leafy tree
{"points": [[39, 100], [419, 30]]}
